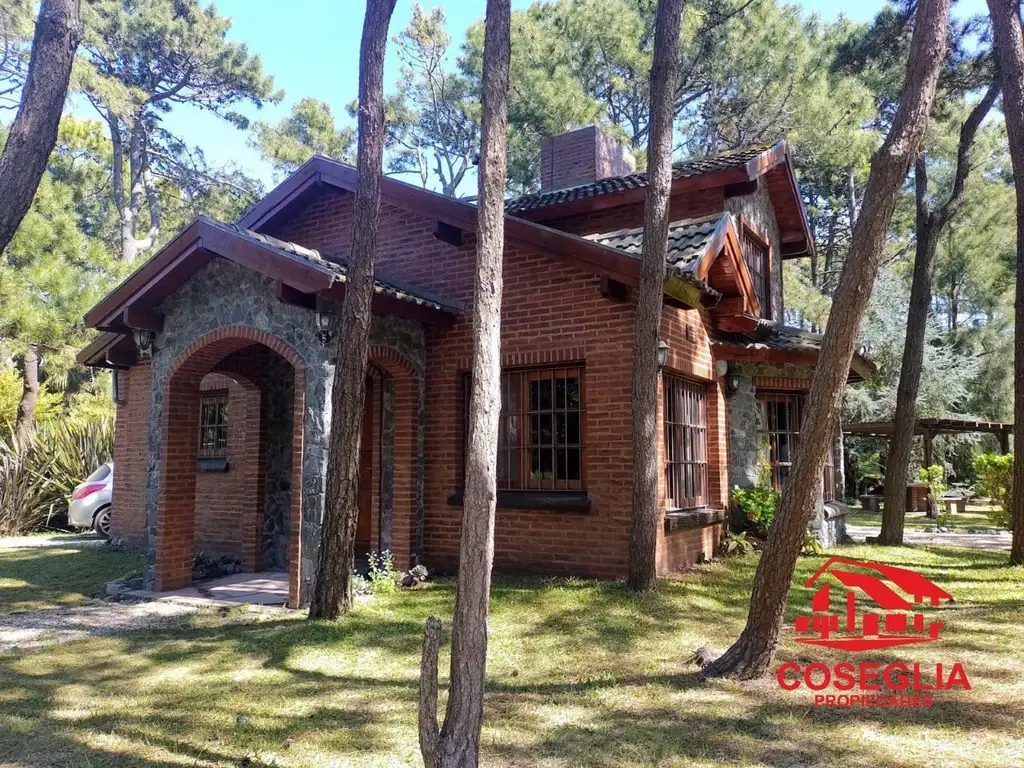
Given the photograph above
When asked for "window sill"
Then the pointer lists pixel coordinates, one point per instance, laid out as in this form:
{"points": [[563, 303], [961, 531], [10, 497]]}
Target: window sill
{"points": [[554, 501], [211, 465], [682, 519]]}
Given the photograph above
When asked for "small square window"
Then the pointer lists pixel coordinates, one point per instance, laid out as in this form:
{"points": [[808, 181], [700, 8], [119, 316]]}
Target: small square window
{"points": [[213, 426]]}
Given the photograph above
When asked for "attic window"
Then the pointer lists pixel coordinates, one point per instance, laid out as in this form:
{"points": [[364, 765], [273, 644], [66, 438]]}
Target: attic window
{"points": [[757, 255]]}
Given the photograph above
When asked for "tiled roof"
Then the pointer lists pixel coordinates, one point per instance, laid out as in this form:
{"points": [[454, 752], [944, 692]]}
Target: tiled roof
{"points": [[771, 336], [688, 240], [338, 268], [737, 158]]}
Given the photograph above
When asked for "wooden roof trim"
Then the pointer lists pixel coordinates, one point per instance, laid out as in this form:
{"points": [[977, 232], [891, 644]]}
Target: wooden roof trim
{"points": [[724, 241], [204, 236]]}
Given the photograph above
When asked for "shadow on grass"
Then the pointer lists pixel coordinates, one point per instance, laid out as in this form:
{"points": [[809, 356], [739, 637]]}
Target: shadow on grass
{"points": [[347, 691]]}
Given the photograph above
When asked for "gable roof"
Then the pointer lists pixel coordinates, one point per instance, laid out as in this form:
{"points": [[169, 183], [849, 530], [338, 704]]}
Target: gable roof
{"points": [[302, 269], [688, 239], [737, 172], [319, 172], [734, 160], [704, 253]]}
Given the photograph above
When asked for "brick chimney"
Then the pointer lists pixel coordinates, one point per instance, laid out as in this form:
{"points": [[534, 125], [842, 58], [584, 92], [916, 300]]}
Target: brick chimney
{"points": [[582, 156]]}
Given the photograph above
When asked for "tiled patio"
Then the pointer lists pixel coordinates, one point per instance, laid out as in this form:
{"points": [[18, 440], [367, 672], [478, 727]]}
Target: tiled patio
{"points": [[269, 588]]}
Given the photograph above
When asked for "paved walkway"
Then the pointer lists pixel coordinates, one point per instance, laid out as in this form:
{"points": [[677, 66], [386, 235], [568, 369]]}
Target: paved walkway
{"points": [[269, 588], [953, 538]]}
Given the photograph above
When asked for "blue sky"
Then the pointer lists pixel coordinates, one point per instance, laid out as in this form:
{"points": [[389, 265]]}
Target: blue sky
{"points": [[312, 49]]}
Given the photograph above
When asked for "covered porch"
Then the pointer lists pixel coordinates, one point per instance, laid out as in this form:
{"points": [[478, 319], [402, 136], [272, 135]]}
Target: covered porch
{"points": [[224, 350]]}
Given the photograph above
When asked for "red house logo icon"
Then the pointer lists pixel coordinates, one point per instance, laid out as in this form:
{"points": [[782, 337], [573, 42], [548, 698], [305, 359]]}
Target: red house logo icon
{"points": [[885, 628]]}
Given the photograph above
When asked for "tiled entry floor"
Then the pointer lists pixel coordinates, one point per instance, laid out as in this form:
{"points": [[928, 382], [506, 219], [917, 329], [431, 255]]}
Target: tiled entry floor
{"points": [[269, 588]]}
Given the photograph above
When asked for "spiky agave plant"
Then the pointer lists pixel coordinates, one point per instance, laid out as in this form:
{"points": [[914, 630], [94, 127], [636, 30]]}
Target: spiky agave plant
{"points": [[36, 481]]}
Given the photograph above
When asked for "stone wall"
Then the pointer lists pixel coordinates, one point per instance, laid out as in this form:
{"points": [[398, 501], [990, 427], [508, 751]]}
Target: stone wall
{"points": [[224, 294], [758, 208], [278, 479]]}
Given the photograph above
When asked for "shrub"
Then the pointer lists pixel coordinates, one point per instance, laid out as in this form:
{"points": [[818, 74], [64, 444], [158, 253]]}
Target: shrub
{"points": [[36, 482], [995, 480], [736, 544], [758, 504]]}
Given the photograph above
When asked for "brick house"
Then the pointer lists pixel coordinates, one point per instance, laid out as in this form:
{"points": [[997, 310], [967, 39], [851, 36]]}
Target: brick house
{"points": [[223, 359]]}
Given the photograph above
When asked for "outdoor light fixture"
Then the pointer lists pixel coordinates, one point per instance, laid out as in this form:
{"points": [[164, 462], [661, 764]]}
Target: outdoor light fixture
{"points": [[323, 324], [721, 368], [144, 341], [732, 385], [662, 353]]}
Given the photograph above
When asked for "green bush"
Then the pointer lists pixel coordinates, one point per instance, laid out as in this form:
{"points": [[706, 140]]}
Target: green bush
{"points": [[995, 480], [758, 504], [36, 482]]}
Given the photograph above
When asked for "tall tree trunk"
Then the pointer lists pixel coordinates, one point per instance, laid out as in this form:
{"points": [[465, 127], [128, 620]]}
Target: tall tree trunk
{"points": [[929, 225], [643, 534], [332, 589], [1009, 44], [458, 743], [34, 131], [751, 655], [25, 425]]}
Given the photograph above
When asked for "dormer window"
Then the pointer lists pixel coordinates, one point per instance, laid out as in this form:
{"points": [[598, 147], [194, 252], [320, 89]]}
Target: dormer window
{"points": [[757, 255]]}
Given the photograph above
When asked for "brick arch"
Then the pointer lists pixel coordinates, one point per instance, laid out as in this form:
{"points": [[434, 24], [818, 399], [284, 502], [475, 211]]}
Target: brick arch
{"points": [[399, 504], [212, 347], [176, 500]]}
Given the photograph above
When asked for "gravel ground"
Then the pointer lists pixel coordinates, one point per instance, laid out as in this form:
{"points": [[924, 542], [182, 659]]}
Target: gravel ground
{"points": [[34, 629]]}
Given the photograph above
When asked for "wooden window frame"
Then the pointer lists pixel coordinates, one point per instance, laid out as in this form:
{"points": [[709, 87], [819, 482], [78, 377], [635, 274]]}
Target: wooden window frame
{"points": [[516, 438], [799, 400], [218, 424], [760, 279], [685, 430]]}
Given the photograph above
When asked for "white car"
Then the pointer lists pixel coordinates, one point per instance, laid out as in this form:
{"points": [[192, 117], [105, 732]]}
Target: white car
{"points": [[90, 501]]}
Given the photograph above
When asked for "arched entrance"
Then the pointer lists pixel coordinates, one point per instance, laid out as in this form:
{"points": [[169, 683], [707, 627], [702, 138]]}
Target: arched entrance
{"points": [[231, 477]]}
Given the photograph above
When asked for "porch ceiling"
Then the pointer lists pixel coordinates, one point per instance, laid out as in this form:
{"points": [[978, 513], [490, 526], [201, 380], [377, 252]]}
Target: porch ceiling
{"points": [[302, 271]]}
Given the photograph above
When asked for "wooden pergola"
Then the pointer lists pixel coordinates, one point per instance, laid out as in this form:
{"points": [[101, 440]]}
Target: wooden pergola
{"points": [[929, 428]]}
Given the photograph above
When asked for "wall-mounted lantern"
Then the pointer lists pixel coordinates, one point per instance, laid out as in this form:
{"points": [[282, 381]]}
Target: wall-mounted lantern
{"points": [[662, 353], [323, 325], [144, 342]]}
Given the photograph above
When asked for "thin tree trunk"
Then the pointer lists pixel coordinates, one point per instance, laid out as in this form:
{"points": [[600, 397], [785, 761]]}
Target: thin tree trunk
{"points": [[929, 225], [34, 130], [25, 424], [332, 589], [458, 743], [643, 534], [1009, 43], [751, 655]]}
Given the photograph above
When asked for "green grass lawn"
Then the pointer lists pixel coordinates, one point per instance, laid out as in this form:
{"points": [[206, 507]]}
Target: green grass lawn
{"points": [[580, 674], [975, 517], [38, 577]]}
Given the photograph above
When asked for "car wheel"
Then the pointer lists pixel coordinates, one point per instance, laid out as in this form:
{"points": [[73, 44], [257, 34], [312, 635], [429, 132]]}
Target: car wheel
{"points": [[101, 523]]}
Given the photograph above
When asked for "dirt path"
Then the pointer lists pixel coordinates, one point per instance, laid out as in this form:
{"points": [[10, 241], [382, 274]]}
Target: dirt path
{"points": [[952, 538]]}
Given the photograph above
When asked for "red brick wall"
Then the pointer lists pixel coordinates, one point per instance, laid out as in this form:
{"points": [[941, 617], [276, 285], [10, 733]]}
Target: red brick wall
{"points": [[131, 453], [580, 156], [552, 313], [228, 504]]}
